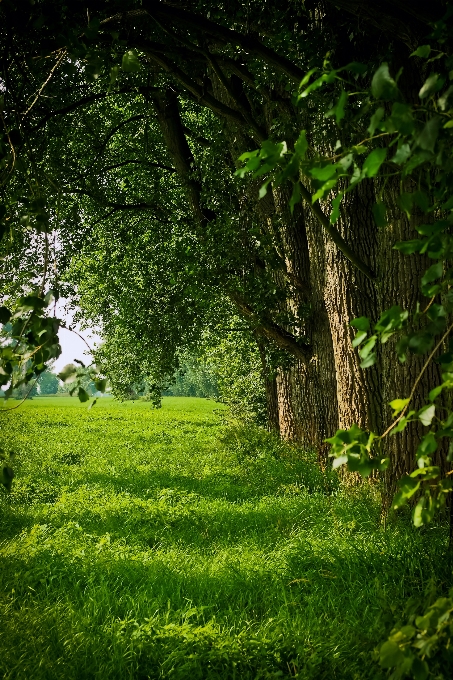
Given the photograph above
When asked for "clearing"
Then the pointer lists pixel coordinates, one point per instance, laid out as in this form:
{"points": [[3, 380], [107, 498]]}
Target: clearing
{"points": [[141, 543]]}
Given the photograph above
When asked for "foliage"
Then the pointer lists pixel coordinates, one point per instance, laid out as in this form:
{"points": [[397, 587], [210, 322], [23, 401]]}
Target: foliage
{"points": [[29, 341], [136, 542], [427, 634], [48, 383], [195, 378], [422, 136], [421, 140], [235, 361]]}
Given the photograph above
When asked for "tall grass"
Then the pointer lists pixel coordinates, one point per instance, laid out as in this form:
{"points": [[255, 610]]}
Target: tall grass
{"points": [[141, 543]]}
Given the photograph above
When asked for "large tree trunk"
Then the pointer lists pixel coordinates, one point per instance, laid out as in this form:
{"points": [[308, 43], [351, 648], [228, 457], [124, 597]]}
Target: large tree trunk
{"points": [[400, 277], [306, 390], [348, 295]]}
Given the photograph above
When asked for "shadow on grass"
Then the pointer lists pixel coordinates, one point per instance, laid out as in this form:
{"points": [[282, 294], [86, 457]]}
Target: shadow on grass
{"points": [[256, 480]]}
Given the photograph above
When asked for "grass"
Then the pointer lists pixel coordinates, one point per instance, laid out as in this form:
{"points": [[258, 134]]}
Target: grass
{"points": [[141, 543]]}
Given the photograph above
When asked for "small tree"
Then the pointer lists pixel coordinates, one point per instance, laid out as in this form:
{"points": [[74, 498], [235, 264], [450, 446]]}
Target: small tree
{"points": [[48, 383]]}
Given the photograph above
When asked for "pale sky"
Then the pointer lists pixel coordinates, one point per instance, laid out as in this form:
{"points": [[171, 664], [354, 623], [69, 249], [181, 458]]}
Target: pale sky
{"points": [[73, 347]]}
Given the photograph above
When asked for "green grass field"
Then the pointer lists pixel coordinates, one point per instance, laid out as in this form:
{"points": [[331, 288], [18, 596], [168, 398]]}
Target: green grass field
{"points": [[141, 543]]}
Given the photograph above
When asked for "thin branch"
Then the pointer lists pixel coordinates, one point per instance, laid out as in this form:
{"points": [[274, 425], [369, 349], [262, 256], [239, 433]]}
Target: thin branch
{"points": [[247, 43], [69, 328], [21, 402], [202, 97], [111, 204], [13, 151], [46, 261], [139, 162], [259, 132], [87, 100], [425, 366], [38, 94], [335, 235], [272, 331], [202, 141]]}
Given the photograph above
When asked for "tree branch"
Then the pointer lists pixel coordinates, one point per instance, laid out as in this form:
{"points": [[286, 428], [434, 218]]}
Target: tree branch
{"points": [[167, 111], [246, 42], [138, 162], [203, 97], [270, 330], [142, 205], [335, 235], [85, 100]]}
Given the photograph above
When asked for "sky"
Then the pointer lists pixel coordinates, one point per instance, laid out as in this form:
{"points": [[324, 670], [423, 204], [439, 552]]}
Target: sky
{"points": [[72, 346]]}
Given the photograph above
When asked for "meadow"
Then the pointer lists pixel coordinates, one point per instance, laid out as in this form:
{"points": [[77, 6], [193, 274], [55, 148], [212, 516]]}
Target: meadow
{"points": [[141, 543]]}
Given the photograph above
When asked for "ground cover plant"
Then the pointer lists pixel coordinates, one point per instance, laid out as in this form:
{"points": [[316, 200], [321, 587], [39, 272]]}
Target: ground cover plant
{"points": [[167, 543]]}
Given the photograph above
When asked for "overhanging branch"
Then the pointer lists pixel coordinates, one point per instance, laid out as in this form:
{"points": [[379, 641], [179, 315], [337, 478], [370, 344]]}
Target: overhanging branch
{"points": [[270, 330], [335, 235]]}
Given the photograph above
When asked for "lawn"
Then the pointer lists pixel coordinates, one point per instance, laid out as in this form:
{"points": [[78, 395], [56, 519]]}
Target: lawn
{"points": [[142, 543]]}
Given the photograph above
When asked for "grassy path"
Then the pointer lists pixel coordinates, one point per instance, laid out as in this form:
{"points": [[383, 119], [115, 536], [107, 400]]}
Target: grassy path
{"points": [[141, 543]]}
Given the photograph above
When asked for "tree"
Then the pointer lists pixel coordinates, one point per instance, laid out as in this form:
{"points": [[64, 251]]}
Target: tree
{"points": [[48, 383], [159, 96]]}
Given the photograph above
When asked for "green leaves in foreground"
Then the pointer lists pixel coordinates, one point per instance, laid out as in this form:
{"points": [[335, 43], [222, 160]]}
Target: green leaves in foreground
{"points": [[353, 448], [81, 376], [423, 645], [29, 340]]}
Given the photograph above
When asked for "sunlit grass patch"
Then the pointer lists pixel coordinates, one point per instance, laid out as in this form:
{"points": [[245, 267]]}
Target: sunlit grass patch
{"points": [[143, 543]]}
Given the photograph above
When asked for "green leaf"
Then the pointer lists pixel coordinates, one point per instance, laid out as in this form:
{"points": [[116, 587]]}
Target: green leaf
{"points": [[401, 118], [428, 136], [362, 323], [433, 273], [296, 196], [5, 315], [68, 373], [335, 214], [359, 338], [323, 174], [355, 67], [367, 347], [130, 62], [401, 425], [419, 668], [100, 384], [426, 414], [83, 395], [373, 162], [435, 392], [392, 319], [409, 247], [375, 120], [423, 51], [398, 405], [369, 361], [390, 655], [383, 86], [339, 108], [339, 460], [307, 77], [402, 154], [327, 186], [325, 78], [379, 213], [301, 146], [429, 86], [263, 188], [418, 516]]}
